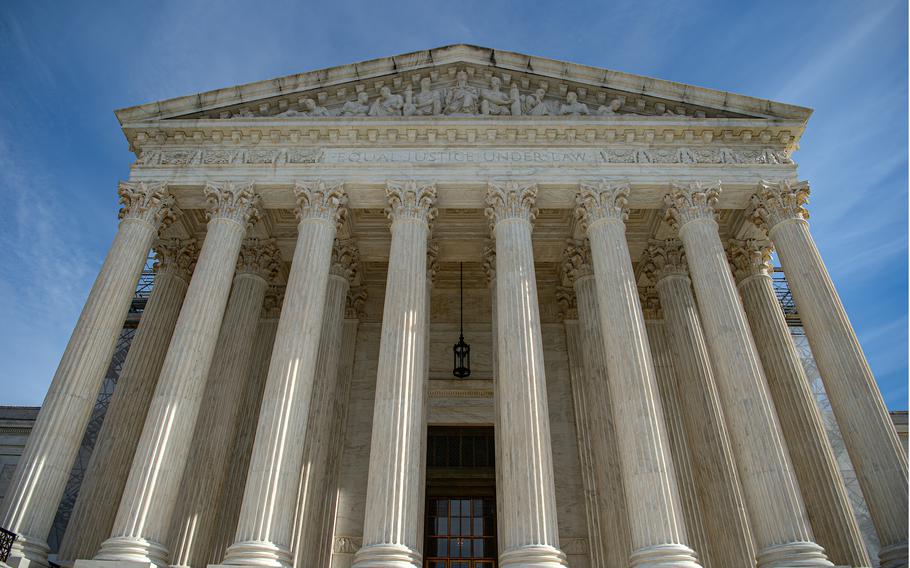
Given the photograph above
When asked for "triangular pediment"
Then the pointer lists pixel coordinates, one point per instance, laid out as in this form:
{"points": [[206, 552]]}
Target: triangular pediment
{"points": [[461, 81]]}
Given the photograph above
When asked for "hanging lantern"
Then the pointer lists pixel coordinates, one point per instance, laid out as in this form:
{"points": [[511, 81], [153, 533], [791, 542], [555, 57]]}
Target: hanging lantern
{"points": [[461, 350]]}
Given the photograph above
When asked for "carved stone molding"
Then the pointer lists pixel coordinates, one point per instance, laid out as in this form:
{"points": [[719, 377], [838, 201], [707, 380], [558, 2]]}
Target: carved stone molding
{"points": [[345, 261], [574, 545], [411, 200], [650, 303], [776, 201], [601, 200], [432, 260], [234, 201], [489, 261], [460, 393], [750, 257], [568, 303], [511, 200], [688, 202], [260, 257], [271, 304], [576, 261], [177, 256], [148, 201], [321, 200], [229, 156], [662, 259], [357, 297], [347, 544]]}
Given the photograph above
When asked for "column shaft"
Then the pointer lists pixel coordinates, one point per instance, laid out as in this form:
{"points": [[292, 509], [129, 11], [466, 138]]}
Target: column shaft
{"points": [[37, 485], [93, 514], [489, 268], [778, 518]]}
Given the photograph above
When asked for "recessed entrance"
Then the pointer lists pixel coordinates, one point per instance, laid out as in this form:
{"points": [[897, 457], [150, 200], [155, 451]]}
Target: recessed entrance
{"points": [[460, 529]]}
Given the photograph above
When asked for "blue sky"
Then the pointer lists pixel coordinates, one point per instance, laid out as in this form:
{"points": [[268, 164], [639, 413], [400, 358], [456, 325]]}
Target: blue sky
{"points": [[65, 66]]}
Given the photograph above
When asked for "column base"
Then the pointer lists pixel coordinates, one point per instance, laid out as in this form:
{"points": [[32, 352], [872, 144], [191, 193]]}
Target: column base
{"points": [[258, 553], [114, 564], [894, 555], [131, 552], [793, 555], [28, 553], [664, 556], [533, 556], [387, 556]]}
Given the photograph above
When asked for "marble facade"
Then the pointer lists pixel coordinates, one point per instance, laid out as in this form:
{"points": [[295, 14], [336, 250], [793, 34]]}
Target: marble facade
{"points": [[614, 231]]}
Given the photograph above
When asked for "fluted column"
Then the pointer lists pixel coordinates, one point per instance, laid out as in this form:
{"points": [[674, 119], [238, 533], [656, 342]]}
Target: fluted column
{"points": [[93, 514], [37, 485], [656, 523], [231, 493], [530, 536], [578, 271], [391, 526], [141, 525], [823, 490], [265, 526], [716, 482], [194, 520], [777, 515], [314, 477], [869, 435]]}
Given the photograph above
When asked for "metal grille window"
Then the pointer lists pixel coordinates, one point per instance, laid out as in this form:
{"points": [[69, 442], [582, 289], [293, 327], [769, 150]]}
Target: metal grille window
{"points": [[460, 448], [461, 533]]}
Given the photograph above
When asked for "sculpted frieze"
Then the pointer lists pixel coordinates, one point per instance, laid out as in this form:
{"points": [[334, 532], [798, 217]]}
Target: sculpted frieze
{"points": [[694, 156], [219, 156]]}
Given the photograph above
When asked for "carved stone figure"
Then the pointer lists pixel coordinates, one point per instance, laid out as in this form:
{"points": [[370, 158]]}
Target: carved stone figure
{"points": [[426, 103], [310, 108], [610, 109], [462, 98], [387, 104], [534, 105], [360, 107], [572, 106], [493, 101], [243, 113]]}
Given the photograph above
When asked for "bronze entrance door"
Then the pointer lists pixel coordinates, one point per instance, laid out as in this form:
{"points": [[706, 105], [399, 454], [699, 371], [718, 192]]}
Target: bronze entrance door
{"points": [[460, 527]]}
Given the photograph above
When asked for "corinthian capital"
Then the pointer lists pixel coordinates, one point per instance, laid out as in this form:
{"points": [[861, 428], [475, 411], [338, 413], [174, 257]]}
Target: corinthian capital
{"points": [[776, 201], [148, 201], [271, 304], [750, 257], [664, 258], [511, 200], [233, 201], [489, 261], [321, 199], [576, 261], [568, 302], [689, 202], [601, 200], [357, 297], [432, 260], [260, 257], [410, 200], [176, 256], [345, 260], [650, 303]]}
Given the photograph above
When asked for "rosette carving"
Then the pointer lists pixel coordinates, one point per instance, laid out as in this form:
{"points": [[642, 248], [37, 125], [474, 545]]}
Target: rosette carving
{"points": [[750, 257], [664, 258], [260, 257], [689, 202], [321, 200], [345, 260], [776, 201], [411, 200], [576, 261], [511, 200], [233, 201], [177, 256], [149, 201], [601, 200]]}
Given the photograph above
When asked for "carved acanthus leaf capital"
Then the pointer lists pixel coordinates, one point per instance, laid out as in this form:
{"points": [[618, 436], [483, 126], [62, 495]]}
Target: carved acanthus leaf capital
{"points": [[177, 256], [664, 258], [320, 199], [149, 201], [411, 200], [357, 297], [601, 200], [751, 257], [776, 201], [576, 261], [511, 200], [489, 261], [432, 260], [650, 303], [234, 201], [345, 260], [260, 257], [568, 303], [688, 202], [271, 304]]}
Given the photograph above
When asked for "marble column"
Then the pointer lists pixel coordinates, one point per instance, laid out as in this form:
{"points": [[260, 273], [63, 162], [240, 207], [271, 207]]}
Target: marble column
{"points": [[93, 514], [869, 435], [777, 515], [530, 536], [391, 526], [231, 494], [656, 525], [489, 268], [37, 485], [265, 527], [729, 538], [194, 520], [315, 482], [140, 530], [816, 468], [578, 271]]}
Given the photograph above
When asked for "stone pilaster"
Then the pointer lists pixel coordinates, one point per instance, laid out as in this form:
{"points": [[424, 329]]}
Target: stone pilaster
{"points": [[823, 490], [265, 525], [315, 480], [778, 518], [37, 485], [530, 536], [611, 510], [93, 514], [717, 485], [876, 453], [194, 520], [140, 530], [391, 528], [489, 269], [656, 525]]}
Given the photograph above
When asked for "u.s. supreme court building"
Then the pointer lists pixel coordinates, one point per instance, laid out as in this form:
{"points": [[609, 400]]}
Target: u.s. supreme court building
{"points": [[463, 308]]}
